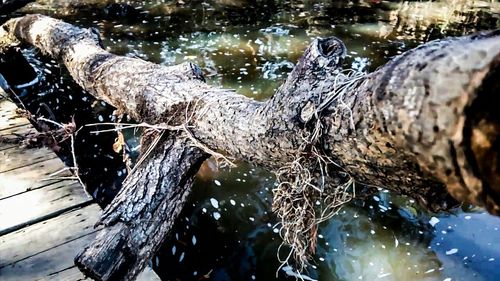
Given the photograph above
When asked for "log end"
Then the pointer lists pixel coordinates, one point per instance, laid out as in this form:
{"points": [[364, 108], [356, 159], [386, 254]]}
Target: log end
{"points": [[108, 257]]}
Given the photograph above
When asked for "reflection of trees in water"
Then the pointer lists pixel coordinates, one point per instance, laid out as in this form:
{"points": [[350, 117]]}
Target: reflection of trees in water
{"points": [[398, 19], [156, 20], [374, 242], [418, 20]]}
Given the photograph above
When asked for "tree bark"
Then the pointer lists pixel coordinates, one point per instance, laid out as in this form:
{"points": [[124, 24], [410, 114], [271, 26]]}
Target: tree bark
{"points": [[142, 214], [425, 125]]}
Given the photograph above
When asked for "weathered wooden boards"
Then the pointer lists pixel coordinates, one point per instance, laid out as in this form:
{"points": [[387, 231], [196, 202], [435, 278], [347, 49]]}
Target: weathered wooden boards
{"points": [[47, 248], [44, 220]]}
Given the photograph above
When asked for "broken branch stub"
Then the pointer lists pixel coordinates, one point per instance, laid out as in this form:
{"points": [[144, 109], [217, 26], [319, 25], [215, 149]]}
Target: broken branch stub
{"points": [[423, 125], [143, 213]]}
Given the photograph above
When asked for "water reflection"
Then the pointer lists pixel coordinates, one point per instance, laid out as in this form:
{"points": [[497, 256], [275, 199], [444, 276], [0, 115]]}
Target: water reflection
{"points": [[226, 230]]}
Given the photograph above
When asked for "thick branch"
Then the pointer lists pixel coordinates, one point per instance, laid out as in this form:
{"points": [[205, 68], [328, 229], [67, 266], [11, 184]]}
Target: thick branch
{"points": [[143, 213]]}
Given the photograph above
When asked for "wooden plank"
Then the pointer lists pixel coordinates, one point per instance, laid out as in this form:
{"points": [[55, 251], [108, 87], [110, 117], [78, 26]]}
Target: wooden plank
{"points": [[41, 237], [30, 177], [45, 251], [73, 273], [69, 274], [11, 124], [19, 130], [40, 265], [9, 117], [17, 157], [42, 226], [30, 206], [12, 133]]}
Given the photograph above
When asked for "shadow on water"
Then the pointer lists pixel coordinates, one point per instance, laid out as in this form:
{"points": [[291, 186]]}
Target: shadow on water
{"points": [[226, 230]]}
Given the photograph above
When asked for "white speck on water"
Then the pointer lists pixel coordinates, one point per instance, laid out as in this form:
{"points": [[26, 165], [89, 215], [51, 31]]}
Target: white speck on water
{"points": [[290, 272], [275, 230], [491, 259], [372, 231], [181, 257], [467, 217], [320, 236], [217, 183], [204, 210], [433, 221], [173, 250], [100, 118], [447, 279], [193, 240], [253, 277], [232, 202], [216, 215], [376, 198], [214, 202], [396, 242], [251, 219], [383, 275], [452, 251]]}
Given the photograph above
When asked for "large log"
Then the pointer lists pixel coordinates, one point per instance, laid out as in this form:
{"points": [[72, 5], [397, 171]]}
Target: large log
{"points": [[424, 125]]}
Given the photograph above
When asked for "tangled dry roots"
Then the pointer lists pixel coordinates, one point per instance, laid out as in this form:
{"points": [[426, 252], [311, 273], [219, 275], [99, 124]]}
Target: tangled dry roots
{"points": [[301, 203], [305, 195]]}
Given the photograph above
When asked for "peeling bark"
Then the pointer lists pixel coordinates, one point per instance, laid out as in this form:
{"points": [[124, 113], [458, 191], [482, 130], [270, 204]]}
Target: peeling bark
{"points": [[425, 125]]}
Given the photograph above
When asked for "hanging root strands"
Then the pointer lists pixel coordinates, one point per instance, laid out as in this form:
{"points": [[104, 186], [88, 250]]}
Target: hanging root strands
{"points": [[156, 132], [303, 198]]}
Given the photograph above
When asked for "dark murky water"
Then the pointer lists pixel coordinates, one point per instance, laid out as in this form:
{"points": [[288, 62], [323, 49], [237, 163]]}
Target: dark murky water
{"points": [[226, 230]]}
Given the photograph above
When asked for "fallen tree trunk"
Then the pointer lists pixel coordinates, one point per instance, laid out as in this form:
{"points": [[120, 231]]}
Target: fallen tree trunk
{"points": [[424, 125]]}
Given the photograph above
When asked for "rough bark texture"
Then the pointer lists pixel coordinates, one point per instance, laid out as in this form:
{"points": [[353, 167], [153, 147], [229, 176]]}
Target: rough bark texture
{"points": [[425, 125], [142, 214]]}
